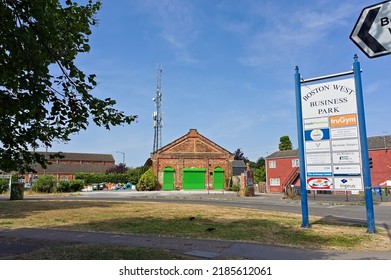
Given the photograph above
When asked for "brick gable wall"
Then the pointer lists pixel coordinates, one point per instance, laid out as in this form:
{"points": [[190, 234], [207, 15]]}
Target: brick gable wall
{"points": [[192, 151]]}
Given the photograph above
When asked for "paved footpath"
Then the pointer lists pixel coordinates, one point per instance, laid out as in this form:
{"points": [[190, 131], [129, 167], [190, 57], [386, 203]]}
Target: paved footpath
{"points": [[24, 240]]}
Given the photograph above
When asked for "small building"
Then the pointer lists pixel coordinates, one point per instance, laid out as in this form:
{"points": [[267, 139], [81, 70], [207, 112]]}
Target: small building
{"points": [[282, 167], [192, 162], [238, 167], [66, 166]]}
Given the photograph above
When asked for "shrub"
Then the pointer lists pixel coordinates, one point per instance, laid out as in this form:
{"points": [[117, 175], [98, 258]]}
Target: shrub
{"points": [[4, 185], [45, 184], [236, 188], [76, 185], [148, 181], [70, 186], [63, 186], [96, 178]]}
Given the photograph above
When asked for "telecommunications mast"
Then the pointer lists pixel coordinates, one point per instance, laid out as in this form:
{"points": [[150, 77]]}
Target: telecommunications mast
{"points": [[157, 115]]}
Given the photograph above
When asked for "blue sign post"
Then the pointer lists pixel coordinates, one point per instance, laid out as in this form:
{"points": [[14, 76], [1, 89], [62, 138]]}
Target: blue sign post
{"points": [[327, 157], [364, 147], [303, 183]]}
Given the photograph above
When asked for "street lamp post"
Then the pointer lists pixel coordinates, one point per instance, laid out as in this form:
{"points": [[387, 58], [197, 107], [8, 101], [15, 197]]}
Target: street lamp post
{"points": [[123, 160], [384, 139]]}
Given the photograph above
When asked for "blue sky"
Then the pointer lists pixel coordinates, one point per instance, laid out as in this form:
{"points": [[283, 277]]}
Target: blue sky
{"points": [[228, 70]]}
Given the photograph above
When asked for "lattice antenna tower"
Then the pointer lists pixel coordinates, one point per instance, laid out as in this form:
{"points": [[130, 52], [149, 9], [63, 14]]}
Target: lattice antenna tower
{"points": [[157, 115]]}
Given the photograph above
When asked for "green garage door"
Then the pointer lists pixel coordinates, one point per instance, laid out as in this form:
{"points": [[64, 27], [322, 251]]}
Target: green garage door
{"points": [[218, 178], [193, 179], [168, 179]]}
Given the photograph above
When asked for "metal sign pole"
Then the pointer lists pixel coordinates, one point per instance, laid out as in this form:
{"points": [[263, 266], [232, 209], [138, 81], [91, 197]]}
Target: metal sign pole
{"points": [[303, 183], [364, 147]]}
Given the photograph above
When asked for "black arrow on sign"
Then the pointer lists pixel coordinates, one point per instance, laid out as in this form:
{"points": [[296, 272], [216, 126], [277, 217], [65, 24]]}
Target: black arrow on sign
{"points": [[364, 35]]}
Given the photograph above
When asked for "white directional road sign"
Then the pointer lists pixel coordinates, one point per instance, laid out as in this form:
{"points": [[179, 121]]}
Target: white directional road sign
{"points": [[372, 32]]}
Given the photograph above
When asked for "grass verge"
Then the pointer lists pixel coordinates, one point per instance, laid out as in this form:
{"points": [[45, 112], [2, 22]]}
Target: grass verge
{"points": [[189, 220]]}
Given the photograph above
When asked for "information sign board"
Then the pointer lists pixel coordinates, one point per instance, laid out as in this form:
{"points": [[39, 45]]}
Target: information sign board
{"points": [[331, 136]]}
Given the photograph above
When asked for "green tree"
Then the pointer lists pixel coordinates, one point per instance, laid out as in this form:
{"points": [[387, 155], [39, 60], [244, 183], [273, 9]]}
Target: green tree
{"points": [[285, 143], [4, 185], [44, 96], [239, 155], [148, 181], [134, 174], [118, 168], [45, 184], [260, 162], [260, 174]]}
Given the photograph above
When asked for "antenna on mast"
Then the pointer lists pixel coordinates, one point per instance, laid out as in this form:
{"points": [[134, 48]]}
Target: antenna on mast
{"points": [[157, 115]]}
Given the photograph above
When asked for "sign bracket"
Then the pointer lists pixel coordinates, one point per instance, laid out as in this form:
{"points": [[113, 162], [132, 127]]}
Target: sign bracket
{"points": [[347, 73]]}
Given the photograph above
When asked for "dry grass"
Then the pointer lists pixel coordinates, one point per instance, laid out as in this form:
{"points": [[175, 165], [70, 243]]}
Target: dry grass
{"points": [[170, 219]]}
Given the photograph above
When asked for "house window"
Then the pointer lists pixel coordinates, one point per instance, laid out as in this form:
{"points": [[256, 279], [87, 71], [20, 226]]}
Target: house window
{"points": [[272, 164], [274, 181], [295, 163]]}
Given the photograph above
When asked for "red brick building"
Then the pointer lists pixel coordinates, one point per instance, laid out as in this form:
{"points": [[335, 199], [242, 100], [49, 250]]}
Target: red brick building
{"points": [[192, 162], [66, 167], [282, 167]]}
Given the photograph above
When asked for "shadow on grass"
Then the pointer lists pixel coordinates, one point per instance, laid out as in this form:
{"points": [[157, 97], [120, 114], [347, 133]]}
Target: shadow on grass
{"points": [[19, 209], [333, 220], [250, 230]]}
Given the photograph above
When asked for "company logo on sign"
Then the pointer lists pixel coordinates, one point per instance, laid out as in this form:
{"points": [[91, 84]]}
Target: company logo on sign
{"points": [[348, 184], [316, 123], [319, 183], [317, 134], [344, 120]]}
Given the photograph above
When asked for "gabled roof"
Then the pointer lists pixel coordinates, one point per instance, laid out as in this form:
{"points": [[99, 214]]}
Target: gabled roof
{"points": [[72, 168], [374, 143], [379, 142], [192, 143], [78, 156], [72, 163], [239, 163], [284, 154]]}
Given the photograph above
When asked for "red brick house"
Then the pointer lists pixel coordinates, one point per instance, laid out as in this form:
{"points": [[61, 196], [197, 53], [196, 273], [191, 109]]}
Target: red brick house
{"points": [[192, 162], [69, 164], [282, 167]]}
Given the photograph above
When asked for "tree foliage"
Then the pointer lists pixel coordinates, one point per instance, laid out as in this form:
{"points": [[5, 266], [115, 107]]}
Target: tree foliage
{"points": [[148, 181], [260, 162], [44, 96], [4, 185], [239, 155], [134, 174], [260, 174], [285, 143], [45, 184], [118, 168]]}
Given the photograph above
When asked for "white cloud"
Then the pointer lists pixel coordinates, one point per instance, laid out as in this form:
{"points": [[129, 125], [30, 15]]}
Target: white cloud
{"points": [[287, 34], [177, 24]]}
